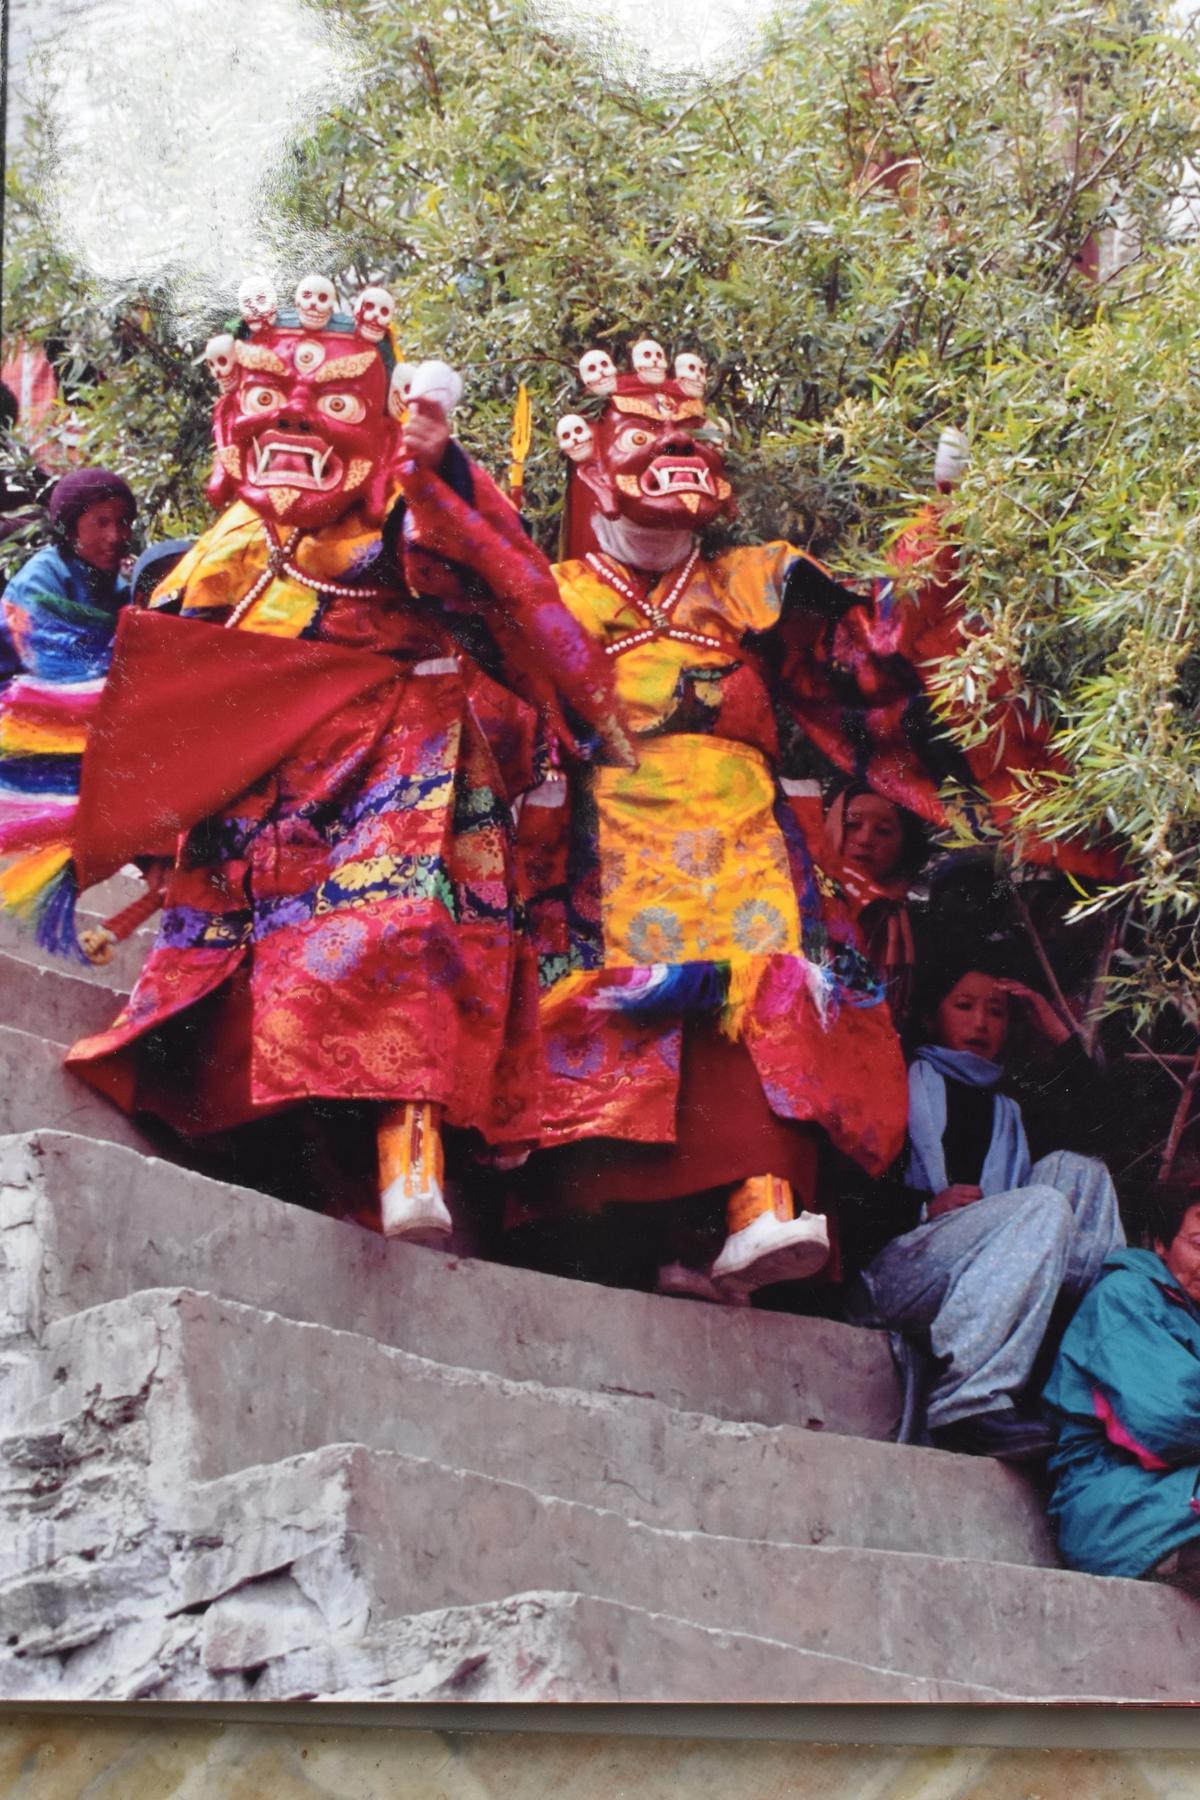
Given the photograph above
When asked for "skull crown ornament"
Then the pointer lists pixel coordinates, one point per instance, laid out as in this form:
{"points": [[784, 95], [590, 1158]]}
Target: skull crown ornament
{"points": [[373, 313], [598, 372], [400, 389], [649, 362], [221, 360], [574, 437], [691, 372], [258, 302], [316, 299], [311, 404]]}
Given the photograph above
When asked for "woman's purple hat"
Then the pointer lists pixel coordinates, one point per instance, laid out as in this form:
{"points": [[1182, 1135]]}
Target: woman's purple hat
{"points": [[74, 493]]}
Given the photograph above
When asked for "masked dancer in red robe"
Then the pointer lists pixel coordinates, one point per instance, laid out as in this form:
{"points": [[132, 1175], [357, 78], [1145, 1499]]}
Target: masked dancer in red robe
{"points": [[296, 722]]}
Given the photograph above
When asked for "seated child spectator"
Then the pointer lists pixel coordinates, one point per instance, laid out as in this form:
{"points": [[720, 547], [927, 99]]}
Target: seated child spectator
{"points": [[1125, 1394], [977, 1280], [882, 849]]}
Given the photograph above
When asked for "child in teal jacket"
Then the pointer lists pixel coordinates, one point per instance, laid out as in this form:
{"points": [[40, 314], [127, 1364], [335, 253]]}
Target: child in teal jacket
{"points": [[1125, 1394]]}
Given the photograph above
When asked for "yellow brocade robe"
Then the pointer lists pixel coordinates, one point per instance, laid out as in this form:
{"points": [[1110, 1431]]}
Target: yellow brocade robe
{"points": [[699, 857]]}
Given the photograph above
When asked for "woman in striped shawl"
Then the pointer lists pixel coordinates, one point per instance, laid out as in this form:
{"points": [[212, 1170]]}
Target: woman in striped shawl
{"points": [[58, 617]]}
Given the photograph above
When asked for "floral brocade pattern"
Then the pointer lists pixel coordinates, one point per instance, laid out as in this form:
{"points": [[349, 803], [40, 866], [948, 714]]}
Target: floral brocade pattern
{"points": [[364, 893], [609, 1074], [729, 895]]}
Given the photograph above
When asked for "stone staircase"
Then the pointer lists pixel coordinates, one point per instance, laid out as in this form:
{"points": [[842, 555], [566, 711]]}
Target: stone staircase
{"points": [[247, 1451]]}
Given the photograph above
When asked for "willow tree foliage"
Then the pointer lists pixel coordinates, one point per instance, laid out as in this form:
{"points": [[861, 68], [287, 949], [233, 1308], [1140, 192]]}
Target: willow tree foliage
{"points": [[898, 216]]}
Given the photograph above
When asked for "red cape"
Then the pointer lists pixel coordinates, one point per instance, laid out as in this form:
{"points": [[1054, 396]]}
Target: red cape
{"points": [[190, 717]]}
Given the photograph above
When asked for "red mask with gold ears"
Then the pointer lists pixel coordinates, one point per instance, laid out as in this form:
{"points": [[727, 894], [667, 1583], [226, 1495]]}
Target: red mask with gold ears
{"points": [[652, 456], [302, 428]]}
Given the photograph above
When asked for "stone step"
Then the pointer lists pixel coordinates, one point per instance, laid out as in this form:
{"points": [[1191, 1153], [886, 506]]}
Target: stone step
{"points": [[36, 1092], [54, 1003], [71, 1246], [552, 1646], [417, 1535], [328, 1556], [119, 974], [371, 1538], [117, 1585], [269, 1640], [178, 1363], [115, 894]]}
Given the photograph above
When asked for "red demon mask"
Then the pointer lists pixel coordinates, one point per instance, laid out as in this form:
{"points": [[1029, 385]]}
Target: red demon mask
{"points": [[653, 456], [302, 428]]}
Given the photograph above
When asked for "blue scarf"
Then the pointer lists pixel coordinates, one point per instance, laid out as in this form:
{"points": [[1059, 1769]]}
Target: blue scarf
{"points": [[1006, 1164]]}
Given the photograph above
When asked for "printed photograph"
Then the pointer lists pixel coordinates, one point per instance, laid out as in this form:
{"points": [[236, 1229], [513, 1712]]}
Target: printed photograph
{"points": [[600, 851]]}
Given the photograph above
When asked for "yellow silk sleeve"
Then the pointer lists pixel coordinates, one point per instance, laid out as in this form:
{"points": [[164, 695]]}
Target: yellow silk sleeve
{"points": [[752, 578], [589, 601], [220, 565]]}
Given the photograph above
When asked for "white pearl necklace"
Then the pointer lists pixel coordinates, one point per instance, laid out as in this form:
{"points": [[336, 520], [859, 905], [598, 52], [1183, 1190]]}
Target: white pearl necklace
{"points": [[279, 563], [657, 614]]}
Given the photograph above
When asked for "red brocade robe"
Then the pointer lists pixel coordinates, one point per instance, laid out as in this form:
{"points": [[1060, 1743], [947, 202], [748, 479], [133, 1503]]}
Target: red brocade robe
{"points": [[706, 856], [341, 921]]}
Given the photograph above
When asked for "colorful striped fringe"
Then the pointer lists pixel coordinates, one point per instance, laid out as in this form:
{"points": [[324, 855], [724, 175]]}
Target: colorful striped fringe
{"points": [[725, 989], [43, 731], [40, 891], [692, 987]]}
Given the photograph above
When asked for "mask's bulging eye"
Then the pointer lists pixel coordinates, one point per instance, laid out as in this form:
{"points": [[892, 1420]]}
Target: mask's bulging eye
{"points": [[634, 438], [260, 398], [309, 356], [347, 409]]}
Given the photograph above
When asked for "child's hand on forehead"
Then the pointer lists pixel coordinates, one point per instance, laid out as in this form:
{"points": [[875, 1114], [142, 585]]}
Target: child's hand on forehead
{"points": [[1039, 1011]]}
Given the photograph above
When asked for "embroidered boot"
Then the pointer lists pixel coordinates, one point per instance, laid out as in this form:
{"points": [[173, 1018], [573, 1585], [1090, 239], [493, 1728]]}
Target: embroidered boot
{"points": [[412, 1175], [766, 1241]]}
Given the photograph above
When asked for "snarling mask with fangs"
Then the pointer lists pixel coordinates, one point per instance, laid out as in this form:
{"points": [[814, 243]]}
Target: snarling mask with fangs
{"points": [[656, 460], [304, 433]]}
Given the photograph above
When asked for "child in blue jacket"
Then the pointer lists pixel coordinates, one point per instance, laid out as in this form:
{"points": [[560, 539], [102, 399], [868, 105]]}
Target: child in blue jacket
{"points": [[1125, 1393]]}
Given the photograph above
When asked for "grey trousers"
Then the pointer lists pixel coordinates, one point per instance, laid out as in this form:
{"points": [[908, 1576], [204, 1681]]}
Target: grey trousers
{"points": [[981, 1281]]}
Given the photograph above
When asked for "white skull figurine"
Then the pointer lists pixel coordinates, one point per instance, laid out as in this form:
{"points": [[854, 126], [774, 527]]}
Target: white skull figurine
{"points": [[691, 372], [575, 437], [400, 388], [258, 301], [315, 301], [650, 362], [598, 372], [222, 363], [373, 313]]}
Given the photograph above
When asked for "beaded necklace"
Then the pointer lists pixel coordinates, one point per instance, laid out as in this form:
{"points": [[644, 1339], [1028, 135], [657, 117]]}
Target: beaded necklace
{"points": [[657, 614], [279, 563]]}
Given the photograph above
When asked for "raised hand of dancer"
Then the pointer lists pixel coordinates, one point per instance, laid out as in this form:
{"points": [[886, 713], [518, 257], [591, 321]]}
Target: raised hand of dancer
{"points": [[425, 433]]}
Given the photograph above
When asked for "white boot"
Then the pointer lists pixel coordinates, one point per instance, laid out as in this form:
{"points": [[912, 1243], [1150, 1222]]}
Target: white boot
{"points": [[412, 1202], [415, 1210], [770, 1249]]}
